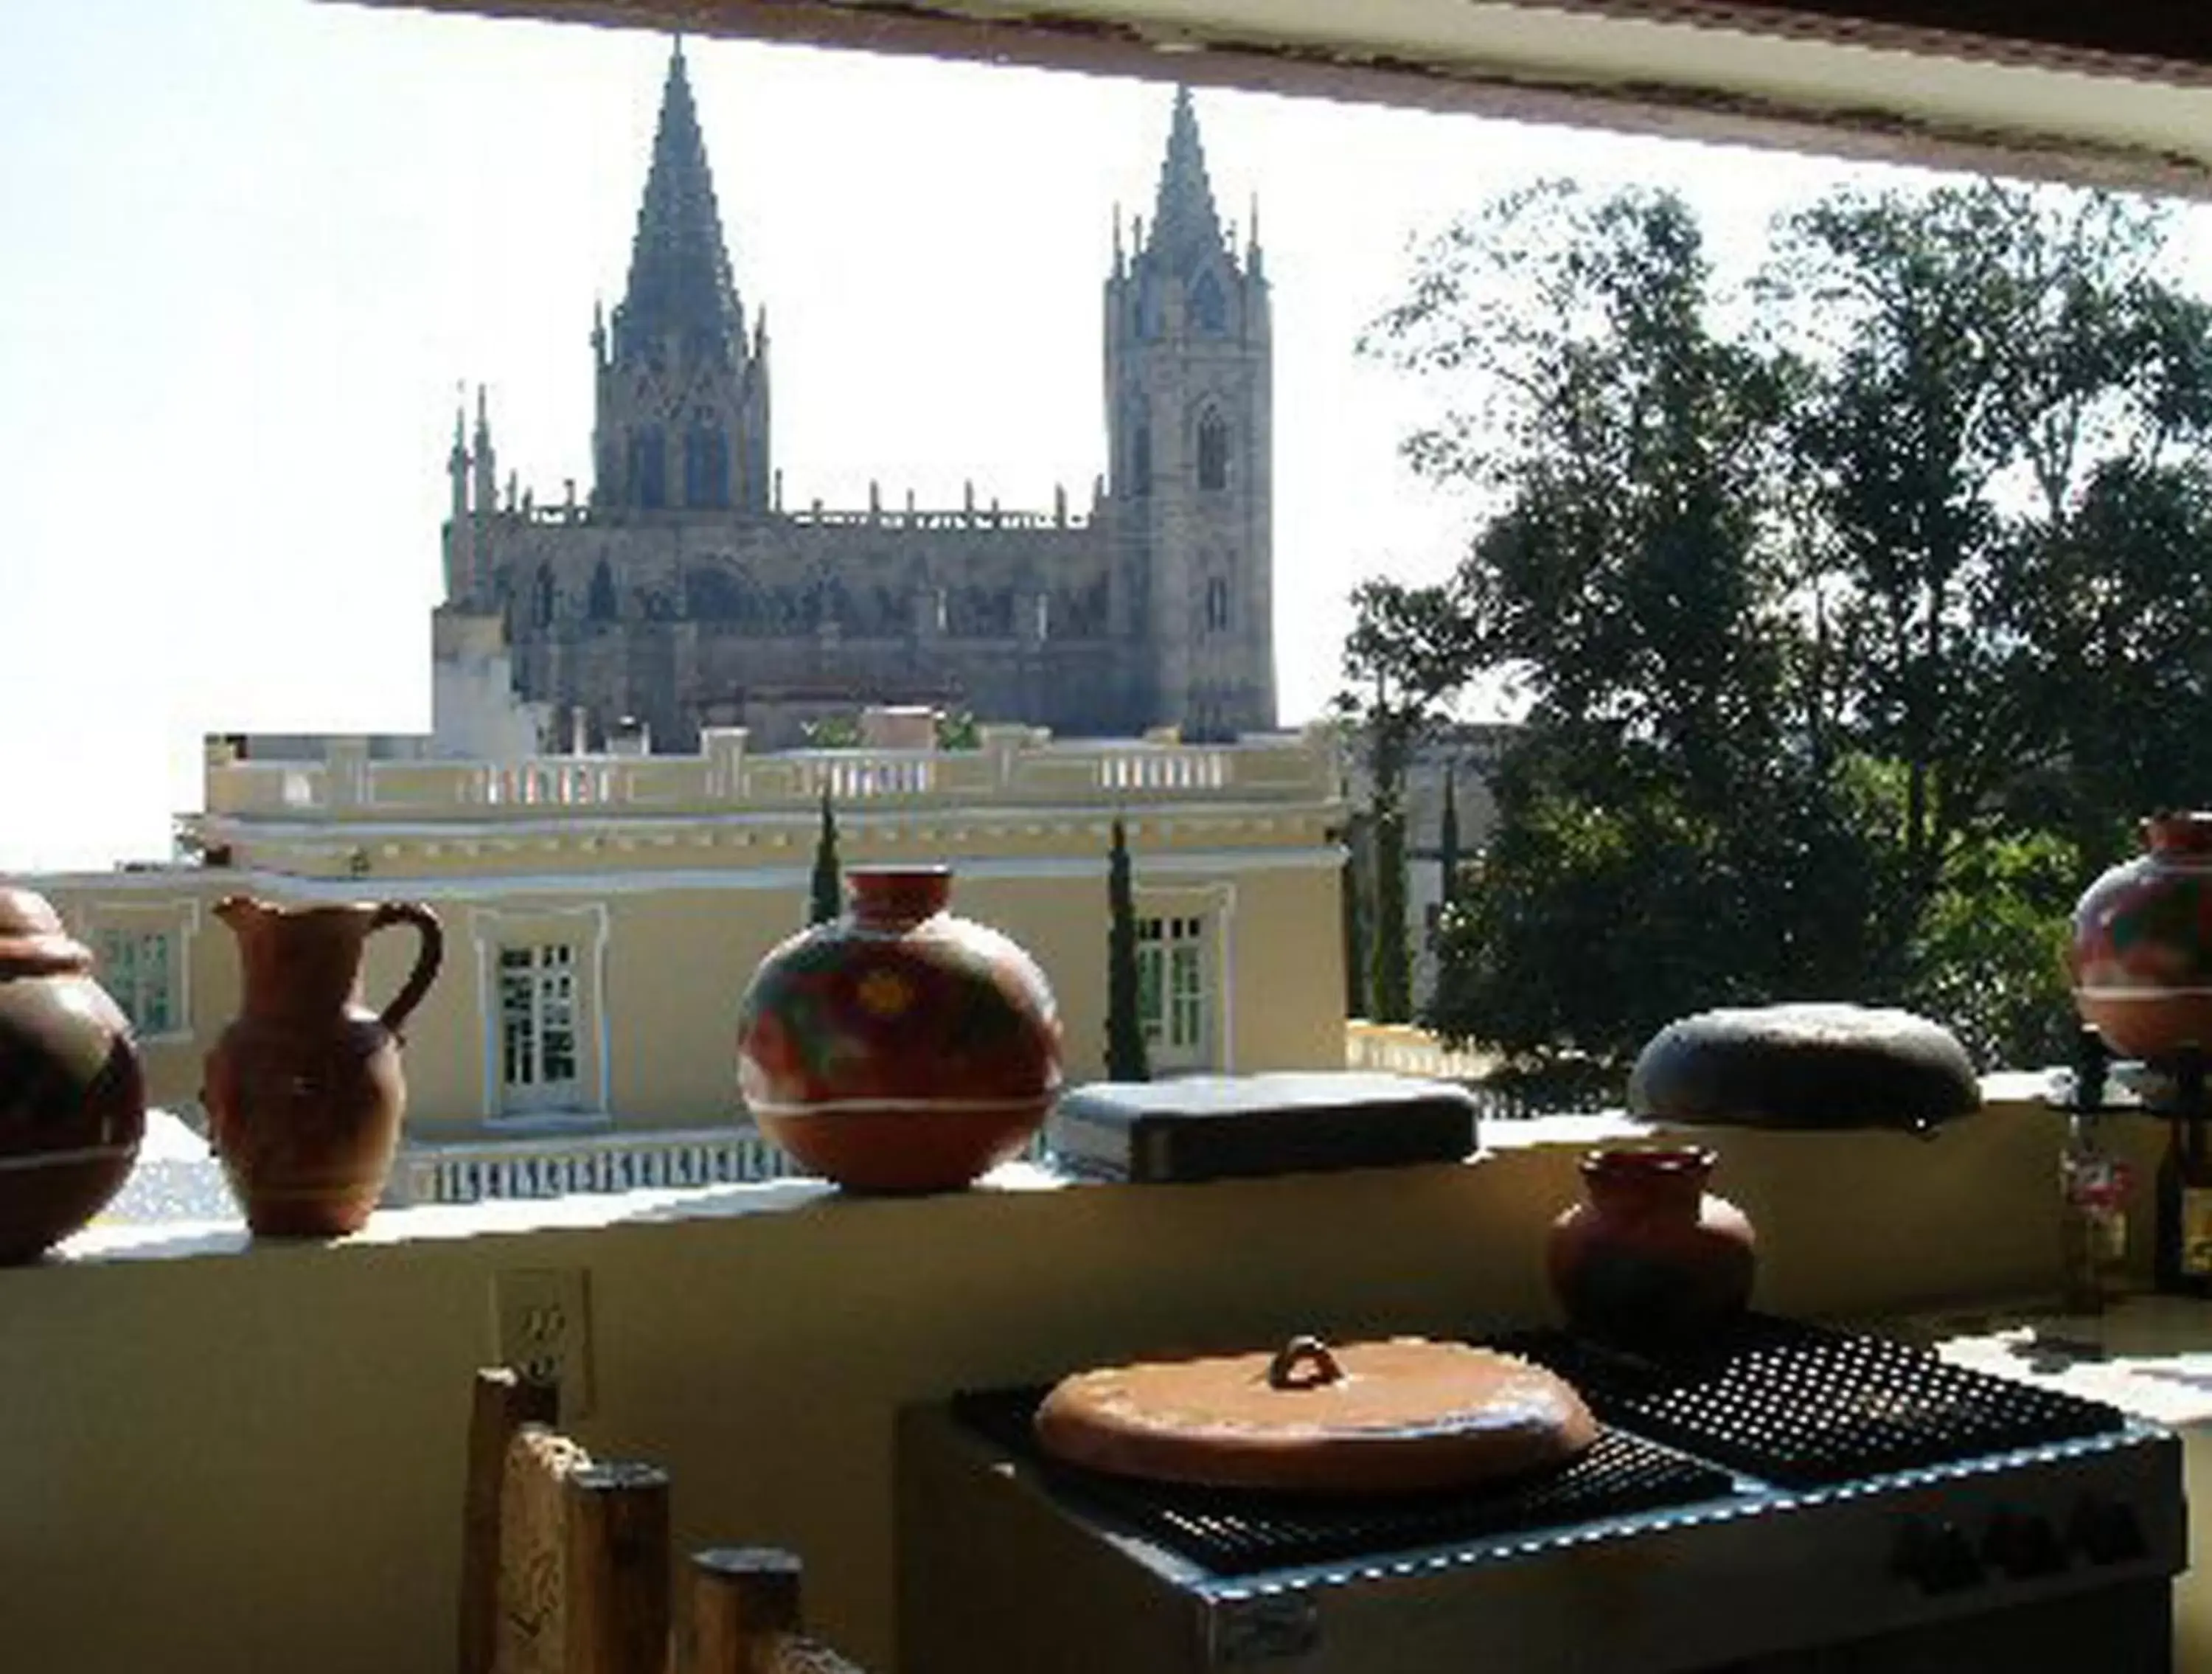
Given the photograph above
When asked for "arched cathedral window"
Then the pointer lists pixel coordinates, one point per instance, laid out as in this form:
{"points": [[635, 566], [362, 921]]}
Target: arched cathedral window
{"points": [[1140, 459], [648, 468], [1209, 307], [1217, 604], [1212, 452], [600, 604], [541, 597], [706, 463]]}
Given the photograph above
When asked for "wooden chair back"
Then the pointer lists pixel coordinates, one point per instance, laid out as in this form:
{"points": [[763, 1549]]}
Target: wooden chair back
{"points": [[565, 1563], [745, 1616], [564, 1559]]}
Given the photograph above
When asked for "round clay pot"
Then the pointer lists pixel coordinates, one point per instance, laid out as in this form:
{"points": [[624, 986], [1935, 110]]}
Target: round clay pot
{"points": [[898, 1047], [304, 1090], [2142, 949], [1651, 1259], [72, 1095]]}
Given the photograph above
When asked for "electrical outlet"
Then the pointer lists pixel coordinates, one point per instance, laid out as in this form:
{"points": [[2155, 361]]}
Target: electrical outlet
{"points": [[542, 1327]]}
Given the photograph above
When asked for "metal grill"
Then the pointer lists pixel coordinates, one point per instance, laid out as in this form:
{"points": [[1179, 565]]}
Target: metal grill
{"points": [[1803, 1407], [1240, 1533]]}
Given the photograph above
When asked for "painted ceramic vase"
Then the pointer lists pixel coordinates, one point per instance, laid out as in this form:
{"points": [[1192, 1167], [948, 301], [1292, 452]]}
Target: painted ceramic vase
{"points": [[304, 1090], [72, 1094], [2142, 950], [1650, 1259], [899, 1048]]}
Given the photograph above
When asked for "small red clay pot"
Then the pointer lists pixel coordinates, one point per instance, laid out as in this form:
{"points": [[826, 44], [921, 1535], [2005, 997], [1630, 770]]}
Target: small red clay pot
{"points": [[1650, 1260], [304, 1090], [2142, 950], [72, 1095], [898, 1047]]}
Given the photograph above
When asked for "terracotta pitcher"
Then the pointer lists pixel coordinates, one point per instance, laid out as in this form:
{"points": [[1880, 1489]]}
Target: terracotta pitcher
{"points": [[304, 1091]]}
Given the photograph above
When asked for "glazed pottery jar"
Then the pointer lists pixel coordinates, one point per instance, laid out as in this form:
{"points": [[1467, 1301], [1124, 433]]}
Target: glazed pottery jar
{"points": [[1651, 1259], [304, 1090], [72, 1095], [2142, 949], [898, 1047]]}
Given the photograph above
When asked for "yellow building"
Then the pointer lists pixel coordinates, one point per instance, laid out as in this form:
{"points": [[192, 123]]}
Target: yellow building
{"points": [[604, 913]]}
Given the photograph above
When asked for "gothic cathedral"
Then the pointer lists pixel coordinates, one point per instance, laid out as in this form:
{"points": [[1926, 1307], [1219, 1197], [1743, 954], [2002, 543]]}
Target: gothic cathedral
{"points": [[681, 594]]}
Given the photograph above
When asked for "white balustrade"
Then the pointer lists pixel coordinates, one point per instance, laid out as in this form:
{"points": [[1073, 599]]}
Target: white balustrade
{"points": [[555, 1166], [1399, 1048], [1167, 769], [551, 783], [853, 779], [1013, 768]]}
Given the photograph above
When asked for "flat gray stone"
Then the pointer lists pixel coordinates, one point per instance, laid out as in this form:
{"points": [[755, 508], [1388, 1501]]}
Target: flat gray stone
{"points": [[1805, 1066]]}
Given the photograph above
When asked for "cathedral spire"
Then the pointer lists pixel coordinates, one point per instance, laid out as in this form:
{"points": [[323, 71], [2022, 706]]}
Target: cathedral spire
{"points": [[1186, 230], [486, 460], [680, 282]]}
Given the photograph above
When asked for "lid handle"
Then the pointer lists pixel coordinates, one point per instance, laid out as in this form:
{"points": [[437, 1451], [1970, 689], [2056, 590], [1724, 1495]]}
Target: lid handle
{"points": [[1303, 1362]]}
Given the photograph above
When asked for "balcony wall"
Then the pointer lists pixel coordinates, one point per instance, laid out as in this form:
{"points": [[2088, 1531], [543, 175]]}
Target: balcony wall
{"points": [[218, 1459]]}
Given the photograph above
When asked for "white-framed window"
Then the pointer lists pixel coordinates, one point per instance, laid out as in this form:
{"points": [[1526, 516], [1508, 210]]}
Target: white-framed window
{"points": [[538, 1054], [138, 968], [1173, 1002]]}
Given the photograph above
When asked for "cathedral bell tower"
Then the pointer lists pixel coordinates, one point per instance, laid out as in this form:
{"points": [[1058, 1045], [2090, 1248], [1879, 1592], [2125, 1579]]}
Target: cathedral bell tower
{"points": [[683, 392], [1190, 419]]}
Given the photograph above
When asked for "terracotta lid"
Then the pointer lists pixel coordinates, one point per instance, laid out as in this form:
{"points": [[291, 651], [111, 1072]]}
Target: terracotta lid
{"points": [[33, 941], [1401, 1416]]}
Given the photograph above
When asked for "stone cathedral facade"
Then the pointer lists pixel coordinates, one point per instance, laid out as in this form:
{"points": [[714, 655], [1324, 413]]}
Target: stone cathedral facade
{"points": [[681, 594]]}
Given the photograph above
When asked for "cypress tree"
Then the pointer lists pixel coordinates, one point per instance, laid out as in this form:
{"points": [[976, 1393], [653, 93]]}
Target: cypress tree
{"points": [[1125, 1030], [1448, 845], [1391, 989], [1352, 903], [828, 899], [1390, 980]]}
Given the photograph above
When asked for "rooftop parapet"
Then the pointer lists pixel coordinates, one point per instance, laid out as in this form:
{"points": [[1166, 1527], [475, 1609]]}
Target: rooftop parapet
{"points": [[1013, 765]]}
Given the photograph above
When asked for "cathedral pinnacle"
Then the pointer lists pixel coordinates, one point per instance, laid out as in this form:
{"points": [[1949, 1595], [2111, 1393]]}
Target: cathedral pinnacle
{"points": [[680, 285], [1186, 230]]}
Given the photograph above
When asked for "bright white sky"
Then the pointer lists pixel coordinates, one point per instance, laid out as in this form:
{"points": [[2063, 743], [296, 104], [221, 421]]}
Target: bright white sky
{"points": [[253, 246]]}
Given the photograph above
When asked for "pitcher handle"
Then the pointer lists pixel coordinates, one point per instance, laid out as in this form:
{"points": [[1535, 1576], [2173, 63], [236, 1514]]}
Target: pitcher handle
{"points": [[427, 960]]}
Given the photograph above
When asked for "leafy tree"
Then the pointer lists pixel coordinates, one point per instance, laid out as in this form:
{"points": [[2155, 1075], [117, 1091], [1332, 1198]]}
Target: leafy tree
{"points": [[1989, 957], [826, 899], [832, 732], [956, 730], [1405, 656], [1848, 612], [1622, 584], [1125, 1059], [1988, 378]]}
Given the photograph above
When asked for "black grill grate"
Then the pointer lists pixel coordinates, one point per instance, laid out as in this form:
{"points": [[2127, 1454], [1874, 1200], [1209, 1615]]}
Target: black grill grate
{"points": [[1239, 1532], [1803, 1407]]}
